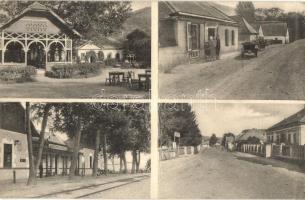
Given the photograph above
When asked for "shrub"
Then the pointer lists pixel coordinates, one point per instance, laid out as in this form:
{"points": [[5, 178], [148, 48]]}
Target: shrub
{"points": [[17, 74], [77, 70], [110, 62]]}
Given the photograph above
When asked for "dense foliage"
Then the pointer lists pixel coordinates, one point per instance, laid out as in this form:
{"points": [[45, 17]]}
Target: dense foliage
{"points": [[139, 44], [76, 70], [178, 118], [87, 17], [295, 20], [17, 74]]}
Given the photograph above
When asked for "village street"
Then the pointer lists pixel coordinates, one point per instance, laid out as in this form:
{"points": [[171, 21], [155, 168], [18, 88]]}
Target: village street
{"points": [[277, 73], [214, 173], [112, 186]]}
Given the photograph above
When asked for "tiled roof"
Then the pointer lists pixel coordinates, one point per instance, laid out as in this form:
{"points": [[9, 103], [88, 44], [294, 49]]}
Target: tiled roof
{"points": [[272, 28], [245, 134], [295, 119], [192, 8], [41, 8], [245, 27]]}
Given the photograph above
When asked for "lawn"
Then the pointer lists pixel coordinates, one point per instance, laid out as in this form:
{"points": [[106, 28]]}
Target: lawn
{"points": [[59, 90]]}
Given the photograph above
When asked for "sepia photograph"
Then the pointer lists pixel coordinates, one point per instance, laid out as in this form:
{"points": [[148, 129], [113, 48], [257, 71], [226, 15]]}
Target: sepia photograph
{"points": [[75, 49], [231, 151], [231, 50], [75, 150]]}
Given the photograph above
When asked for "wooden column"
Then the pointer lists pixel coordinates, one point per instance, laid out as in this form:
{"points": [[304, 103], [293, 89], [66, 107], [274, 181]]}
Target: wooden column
{"points": [[2, 48]]}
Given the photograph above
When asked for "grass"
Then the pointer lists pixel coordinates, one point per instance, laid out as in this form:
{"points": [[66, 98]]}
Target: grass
{"points": [[67, 90]]}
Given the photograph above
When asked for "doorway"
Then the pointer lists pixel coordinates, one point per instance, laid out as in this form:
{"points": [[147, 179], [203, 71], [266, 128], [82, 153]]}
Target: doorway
{"points": [[36, 55]]}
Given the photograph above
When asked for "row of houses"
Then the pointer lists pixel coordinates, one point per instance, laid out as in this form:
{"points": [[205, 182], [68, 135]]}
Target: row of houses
{"points": [[185, 29], [57, 153]]}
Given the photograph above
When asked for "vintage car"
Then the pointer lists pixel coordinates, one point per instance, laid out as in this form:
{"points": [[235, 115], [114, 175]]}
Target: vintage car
{"points": [[249, 48]]}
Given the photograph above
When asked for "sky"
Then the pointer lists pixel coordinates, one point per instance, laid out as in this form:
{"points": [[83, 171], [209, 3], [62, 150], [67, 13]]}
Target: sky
{"points": [[223, 118], [136, 5], [285, 5]]}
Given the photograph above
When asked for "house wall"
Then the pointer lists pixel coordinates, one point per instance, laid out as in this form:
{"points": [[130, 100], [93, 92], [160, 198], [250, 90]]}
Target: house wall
{"points": [[84, 161], [174, 55], [298, 131], [107, 53], [114, 164], [20, 161], [230, 48], [282, 38]]}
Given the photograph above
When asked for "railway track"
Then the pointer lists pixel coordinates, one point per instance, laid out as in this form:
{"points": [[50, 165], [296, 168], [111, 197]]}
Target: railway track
{"points": [[90, 190]]}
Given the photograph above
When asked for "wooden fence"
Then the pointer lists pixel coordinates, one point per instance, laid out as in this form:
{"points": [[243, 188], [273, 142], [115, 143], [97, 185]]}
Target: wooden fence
{"points": [[295, 152]]}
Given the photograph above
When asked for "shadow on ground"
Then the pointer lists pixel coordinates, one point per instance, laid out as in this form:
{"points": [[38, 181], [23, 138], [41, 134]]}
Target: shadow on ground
{"points": [[289, 165]]}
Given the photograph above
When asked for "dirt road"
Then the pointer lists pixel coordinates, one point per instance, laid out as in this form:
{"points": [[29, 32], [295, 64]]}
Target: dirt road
{"points": [[278, 73], [219, 174]]}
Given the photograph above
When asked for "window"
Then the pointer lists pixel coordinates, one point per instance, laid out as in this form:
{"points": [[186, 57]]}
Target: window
{"points": [[227, 37], [233, 37], [211, 33], [295, 138], [167, 33], [8, 156], [192, 36]]}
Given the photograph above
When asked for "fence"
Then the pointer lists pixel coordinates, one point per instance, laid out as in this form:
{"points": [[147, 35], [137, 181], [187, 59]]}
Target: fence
{"points": [[292, 152], [257, 149], [170, 153]]}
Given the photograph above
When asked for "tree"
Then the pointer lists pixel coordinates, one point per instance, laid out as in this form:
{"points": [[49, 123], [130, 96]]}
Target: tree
{"points": [[246, 9], [213, 140], [139, 43], [72, 118], [32, 174], [269, 14], [88, 17], [41, 111], [178, 118], [224, 138], [139, 131]]}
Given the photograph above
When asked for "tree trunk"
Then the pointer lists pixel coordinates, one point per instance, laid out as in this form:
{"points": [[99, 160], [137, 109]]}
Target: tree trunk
{"points": [[125, 163], [41, 136], [138, 160], [121, 163], [77, 138], [112, 161], [96, 152], [134, 160], [105, 154], [32, 175]]}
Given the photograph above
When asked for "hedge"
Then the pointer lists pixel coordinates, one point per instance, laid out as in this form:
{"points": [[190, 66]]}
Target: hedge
{"points": [[77, 70], [17, 74]]}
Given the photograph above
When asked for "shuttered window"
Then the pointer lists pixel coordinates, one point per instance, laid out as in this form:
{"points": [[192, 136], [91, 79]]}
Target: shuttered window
{"points": [[227, 37]]}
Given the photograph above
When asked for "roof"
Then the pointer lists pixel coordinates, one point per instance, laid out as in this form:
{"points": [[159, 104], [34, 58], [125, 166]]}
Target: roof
{"points": [[272, 28], [230, 11], [245, 27], [293, 120], [102, 43], [258, 133], [192, 9], [37, 7]]}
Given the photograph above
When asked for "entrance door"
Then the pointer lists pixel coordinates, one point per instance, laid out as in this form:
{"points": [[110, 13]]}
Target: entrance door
{"points": [[36, 56], [8, 156]]}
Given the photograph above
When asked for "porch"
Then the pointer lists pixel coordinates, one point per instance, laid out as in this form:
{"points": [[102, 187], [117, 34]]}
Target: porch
{"points": [[40, 50]]}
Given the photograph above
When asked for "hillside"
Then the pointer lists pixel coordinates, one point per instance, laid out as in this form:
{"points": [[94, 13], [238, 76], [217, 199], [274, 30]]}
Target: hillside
{"points": [[139, 19]]}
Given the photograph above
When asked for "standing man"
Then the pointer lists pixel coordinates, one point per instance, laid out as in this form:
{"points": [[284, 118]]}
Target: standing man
{"points": [[217, 46]]}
